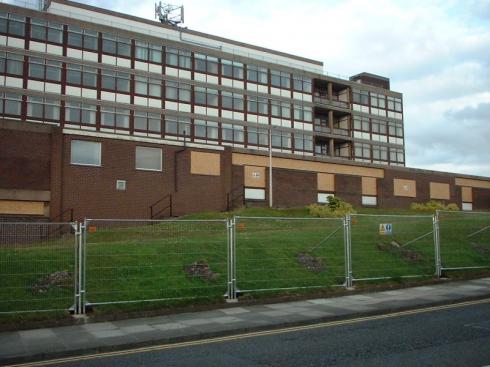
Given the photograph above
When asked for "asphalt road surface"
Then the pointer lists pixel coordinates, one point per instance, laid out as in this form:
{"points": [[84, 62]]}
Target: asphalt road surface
{"points": [[456, 336]]}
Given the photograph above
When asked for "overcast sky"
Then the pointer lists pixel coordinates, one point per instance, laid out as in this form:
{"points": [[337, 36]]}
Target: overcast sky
{"points": [[437, 53]]}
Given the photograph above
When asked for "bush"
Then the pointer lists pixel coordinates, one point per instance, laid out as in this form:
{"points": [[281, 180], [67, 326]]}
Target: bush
{"points": [[432, 206], [334, 208]]}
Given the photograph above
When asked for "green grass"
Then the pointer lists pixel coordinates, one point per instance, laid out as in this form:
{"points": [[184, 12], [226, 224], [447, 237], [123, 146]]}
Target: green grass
{"points": [[137, 262]]}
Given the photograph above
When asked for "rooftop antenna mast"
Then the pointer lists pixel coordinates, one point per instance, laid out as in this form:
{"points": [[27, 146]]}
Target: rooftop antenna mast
{"points": [[169, 14]]}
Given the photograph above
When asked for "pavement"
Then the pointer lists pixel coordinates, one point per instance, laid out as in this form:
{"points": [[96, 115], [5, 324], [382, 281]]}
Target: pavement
{"points": [[47, 343]]}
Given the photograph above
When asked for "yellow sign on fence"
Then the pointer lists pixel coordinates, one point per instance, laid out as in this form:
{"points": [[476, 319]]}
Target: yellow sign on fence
{"points": [[385, 229]]}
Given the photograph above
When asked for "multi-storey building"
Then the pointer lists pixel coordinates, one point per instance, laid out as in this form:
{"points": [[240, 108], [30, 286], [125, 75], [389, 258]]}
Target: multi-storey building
{"points": [[106, 114]]}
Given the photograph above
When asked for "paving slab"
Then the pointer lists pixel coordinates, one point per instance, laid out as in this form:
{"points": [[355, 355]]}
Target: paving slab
{"points": [[37, 344]]}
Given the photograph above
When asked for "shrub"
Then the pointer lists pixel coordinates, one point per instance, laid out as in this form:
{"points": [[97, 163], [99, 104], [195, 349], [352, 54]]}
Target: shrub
{"points": [[432, 206], [334, 208]]}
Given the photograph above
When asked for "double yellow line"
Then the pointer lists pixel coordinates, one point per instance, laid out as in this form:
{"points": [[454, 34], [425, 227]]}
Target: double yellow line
{"points": [[247, 335]]}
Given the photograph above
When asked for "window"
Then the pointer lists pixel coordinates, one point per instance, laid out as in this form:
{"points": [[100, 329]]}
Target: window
{"points": [[257, 136], [395, 129], [257, 74], [206, 96], [45, 69], [378, 100], [178, 58], [44, 109], [232, 133], [322, 197], [81, 113], [86, 153], [361, 123], [148, 52], [149, 159], [178, 91], [14, 25], [380, 153], [303, 113], [232, 69], [81, 75], [369, 200], [147, 86], [281, 139], [12, 64], [280, 109], [42, 30], [180, 126], [302, 84], [280, 79], [147, 121], [362, 150], [83, 38], [303, 142], [378, 126], [360, 96], [394, 104], [254, 194], [231, 101], [396, 155], [205, 64], [12, 104], [258, 105], [113, 81], [115, 45], [205, 129]]}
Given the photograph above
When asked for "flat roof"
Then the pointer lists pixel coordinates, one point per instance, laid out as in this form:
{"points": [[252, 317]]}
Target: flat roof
{"points": [[184, 30]]}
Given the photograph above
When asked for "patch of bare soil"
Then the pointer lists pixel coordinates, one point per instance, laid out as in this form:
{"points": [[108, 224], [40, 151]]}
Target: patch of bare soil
{"points": [[311, 262], [200, 269], [58, 279], [395, 248]]}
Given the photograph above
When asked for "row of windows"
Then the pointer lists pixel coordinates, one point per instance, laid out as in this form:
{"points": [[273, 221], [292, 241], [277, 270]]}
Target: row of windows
{"points": [[76, 37], [376, 100], [378, 153], [120, 118], [85, 76], [376, 126]]}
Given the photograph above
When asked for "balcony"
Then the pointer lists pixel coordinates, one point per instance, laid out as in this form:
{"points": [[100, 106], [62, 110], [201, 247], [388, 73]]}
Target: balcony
{"points": [[333, 101]]}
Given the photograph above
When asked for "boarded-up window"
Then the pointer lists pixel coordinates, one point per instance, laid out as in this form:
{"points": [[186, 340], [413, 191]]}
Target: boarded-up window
{"points": [[326, 182], [254, 176], [466, 194], [21, 207], [439, 191], [205, 164], [369, 186], [405, 188]]}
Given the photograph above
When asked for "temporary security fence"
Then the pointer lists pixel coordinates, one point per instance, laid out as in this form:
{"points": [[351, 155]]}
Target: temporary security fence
{"points": [[464, 240], [37, 266], [390, 246], [288, 253], [60, 266], [128, 261]]}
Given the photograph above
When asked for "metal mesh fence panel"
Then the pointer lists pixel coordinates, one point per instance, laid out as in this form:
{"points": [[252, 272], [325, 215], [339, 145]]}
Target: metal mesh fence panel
{"points": [[464, 240], [391, 246], [37, 267], [288, 253], [141, 260]]}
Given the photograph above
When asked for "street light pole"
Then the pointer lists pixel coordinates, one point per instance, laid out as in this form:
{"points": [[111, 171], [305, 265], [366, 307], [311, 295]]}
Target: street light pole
{"points": [[270, 166]]}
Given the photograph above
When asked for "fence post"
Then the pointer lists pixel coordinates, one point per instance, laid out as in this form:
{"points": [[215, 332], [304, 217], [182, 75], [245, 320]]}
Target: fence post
{"points": [[76, 271], [83, 263], [347, 251], [437, 245], [231, 291]]}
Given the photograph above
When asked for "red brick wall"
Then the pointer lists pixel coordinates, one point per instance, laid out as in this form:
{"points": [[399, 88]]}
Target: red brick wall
{"points": [[24, 160], [91, 191]]}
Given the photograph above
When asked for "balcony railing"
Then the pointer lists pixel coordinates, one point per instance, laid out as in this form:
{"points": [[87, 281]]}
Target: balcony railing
{"points": [[327, 130], [334, 101]]}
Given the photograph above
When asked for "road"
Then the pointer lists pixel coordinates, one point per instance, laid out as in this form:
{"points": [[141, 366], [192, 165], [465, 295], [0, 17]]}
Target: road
{"points": [[456, 336]]}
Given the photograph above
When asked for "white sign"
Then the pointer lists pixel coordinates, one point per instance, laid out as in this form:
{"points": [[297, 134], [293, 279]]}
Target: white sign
{"points": [[385, 229]]}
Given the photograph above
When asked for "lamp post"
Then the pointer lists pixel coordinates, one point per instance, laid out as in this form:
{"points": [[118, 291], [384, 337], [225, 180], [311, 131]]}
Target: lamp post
{"points": [[270, 166]]}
